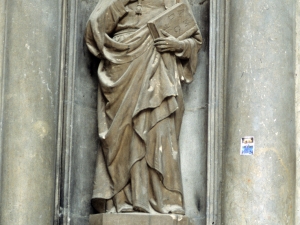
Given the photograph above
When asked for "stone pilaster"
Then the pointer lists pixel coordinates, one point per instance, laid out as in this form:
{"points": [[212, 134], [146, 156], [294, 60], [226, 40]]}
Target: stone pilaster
{"points": [[260, 189], [30, 71], [297, 101]]}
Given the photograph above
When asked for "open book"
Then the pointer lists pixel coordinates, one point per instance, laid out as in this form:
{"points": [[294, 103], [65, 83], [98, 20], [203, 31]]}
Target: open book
{"points": [[177, 21]]}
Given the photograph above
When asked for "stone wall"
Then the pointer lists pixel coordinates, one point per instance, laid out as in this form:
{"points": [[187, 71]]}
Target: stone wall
{"points": [[48, 132], [48, 115]]}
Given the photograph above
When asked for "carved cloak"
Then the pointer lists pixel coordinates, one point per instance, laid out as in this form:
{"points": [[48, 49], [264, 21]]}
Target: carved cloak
{"points": [[140, 109]]}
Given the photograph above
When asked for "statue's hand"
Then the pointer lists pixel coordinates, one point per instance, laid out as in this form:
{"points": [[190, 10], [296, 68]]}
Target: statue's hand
{"points": [[126, 2], [168, 44]]}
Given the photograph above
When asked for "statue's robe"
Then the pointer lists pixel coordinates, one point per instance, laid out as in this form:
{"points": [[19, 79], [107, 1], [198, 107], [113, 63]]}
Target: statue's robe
{"points": [[140, 108]]}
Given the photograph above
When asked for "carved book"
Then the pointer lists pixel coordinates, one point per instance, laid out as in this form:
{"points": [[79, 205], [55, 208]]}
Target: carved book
{"points": [[177, 21]]}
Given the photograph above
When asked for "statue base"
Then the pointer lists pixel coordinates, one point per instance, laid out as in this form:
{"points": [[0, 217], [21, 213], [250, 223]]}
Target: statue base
{"points": [[139, 219]]}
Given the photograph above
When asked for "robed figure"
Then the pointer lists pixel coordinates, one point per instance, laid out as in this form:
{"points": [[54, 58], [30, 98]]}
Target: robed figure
{"points": [[140, 107]]}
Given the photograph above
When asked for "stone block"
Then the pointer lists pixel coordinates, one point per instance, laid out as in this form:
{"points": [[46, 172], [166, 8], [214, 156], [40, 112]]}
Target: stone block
{"points": [[139, 219]]}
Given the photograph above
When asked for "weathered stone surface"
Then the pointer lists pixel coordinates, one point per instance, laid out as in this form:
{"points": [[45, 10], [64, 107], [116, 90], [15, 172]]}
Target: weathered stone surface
{"points": [[193, 136], [260, 189], [2, 43], [81, 138], [29, 106], [297, 73], [215, 134], [138, 219]]}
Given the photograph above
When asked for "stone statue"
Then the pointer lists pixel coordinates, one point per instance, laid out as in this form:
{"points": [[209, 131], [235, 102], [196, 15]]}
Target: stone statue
{"points": [[140, 106]]}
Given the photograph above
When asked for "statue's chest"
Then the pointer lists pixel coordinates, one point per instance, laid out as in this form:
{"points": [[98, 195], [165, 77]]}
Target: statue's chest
{"points": [[149, 10]]}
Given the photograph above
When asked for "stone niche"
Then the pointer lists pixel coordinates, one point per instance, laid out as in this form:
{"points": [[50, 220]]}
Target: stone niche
{"points": [[82, 142]]}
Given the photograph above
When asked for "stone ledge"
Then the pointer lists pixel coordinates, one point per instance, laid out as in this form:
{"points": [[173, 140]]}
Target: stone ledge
{"points": [[138, 219]]}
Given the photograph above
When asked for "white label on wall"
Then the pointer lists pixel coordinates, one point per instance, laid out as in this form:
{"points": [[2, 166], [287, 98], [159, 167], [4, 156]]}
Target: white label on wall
{"points": [[247, 145]]}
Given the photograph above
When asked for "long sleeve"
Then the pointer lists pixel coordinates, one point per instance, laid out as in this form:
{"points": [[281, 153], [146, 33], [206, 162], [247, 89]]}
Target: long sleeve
{"points": [[191, 46], [188, 58]]}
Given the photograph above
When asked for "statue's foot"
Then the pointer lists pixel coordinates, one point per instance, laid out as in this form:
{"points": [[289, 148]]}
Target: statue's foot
{"points": [[126, 208], [140, 209]]}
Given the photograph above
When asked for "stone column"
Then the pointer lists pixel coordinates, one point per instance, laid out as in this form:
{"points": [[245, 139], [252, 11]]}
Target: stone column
{"points": [[260, 189], [297, 100], [30, 71]]}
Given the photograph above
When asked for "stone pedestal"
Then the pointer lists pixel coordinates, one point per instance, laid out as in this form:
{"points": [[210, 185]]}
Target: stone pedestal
{"points": [[139, 219]]}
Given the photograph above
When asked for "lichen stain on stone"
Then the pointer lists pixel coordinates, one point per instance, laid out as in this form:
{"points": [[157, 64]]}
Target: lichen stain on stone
{"points": [[41, 128], [279, 156]]}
